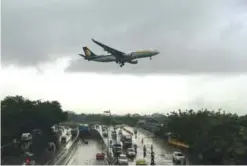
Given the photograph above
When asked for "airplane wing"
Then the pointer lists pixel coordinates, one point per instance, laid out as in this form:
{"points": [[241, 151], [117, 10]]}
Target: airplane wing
{"points": [[116, 53]]}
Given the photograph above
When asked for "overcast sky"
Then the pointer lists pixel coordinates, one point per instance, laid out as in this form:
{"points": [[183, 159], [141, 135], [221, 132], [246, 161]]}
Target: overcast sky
{"points": [[202, 60]]}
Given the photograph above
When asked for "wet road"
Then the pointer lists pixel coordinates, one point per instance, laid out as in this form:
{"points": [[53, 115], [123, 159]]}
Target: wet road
{"points": [[85, 153], [163, 154]]}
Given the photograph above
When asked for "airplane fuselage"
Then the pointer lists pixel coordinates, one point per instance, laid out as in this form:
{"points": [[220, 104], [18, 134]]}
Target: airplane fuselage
{"points": [[103, 58], [144, 54], [137, 55]]}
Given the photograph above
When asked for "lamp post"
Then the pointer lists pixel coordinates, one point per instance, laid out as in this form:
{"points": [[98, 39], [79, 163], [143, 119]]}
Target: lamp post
{"points": [[109, 112]]}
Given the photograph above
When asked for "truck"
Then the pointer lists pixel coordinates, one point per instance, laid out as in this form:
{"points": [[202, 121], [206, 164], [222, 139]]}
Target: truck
{"points": [[84, 130], [117, 148], [114, 134], [105, 134], [127, 140]]}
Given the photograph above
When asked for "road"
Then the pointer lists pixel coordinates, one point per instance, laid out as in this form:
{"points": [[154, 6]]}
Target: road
{"points": [[163, 154], [85, 153], [41, 158]]}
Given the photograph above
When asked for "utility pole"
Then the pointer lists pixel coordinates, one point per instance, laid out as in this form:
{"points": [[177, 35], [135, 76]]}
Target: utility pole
{"points": [[152, 156], [102, 148], [144, 151]]}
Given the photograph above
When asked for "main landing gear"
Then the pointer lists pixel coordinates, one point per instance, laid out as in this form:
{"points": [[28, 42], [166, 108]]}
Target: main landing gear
{"points": [[121, 63]]}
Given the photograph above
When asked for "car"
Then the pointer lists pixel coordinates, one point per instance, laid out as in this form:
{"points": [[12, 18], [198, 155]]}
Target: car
{"points": [[122, 159], [63, 140], [26, 136], [29, 159], [141, 162], [100, 156], [178, 157], [131, 152]]}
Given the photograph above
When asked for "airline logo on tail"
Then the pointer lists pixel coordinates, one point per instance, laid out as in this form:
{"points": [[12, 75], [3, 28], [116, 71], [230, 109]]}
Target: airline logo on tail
{"points": [[87, 51]]}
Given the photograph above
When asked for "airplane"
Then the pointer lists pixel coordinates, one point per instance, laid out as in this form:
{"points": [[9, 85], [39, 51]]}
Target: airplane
{"points": [[90, 56], [122, 57]]}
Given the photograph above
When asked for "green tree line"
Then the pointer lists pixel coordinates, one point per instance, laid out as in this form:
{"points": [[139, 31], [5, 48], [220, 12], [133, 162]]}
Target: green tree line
{"points": [[215, 137], [20, 115], [106, 119]]}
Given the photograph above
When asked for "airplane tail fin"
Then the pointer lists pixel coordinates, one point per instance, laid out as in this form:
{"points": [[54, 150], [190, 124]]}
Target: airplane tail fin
{"points": [[88, 52]]}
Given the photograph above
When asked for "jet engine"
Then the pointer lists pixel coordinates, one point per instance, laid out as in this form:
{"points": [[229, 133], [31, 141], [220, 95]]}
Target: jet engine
{"points": [[133, 62]]}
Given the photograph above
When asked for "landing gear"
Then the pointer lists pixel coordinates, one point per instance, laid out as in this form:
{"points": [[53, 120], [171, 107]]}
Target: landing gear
{"points": [[122, 64], [150, 58]]}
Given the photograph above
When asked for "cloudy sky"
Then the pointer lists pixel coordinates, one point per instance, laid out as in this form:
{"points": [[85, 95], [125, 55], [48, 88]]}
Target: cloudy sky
{"points": [[202, 61]]}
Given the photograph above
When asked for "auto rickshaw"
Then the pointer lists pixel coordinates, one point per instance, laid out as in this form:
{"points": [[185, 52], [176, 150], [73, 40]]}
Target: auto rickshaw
{"points": [[141, 162]]}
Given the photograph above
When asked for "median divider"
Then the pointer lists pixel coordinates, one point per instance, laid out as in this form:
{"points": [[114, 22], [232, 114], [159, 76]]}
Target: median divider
{"points": [[72, 149], [110, 156]]}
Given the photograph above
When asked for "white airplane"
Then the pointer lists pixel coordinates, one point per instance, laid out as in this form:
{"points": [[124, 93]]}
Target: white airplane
{"points": [[122, 57]]}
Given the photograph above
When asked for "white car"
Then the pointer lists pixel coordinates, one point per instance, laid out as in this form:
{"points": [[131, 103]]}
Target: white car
{"points": [[131, 152], [26, 136], [178, 157], [122, 159]]}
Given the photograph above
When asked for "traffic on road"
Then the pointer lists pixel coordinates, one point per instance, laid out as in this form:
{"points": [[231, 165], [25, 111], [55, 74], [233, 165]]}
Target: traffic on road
{"points": [[126, 145]]}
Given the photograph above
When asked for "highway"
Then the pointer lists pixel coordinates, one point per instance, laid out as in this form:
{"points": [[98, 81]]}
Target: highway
{"points": [[85, 153]]}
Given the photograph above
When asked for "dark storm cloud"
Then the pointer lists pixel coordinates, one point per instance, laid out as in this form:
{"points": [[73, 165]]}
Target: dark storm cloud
{"points": [[192, 36]]}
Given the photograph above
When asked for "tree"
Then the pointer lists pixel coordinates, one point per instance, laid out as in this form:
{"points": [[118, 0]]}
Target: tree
{"points": [[214, 137], [19, 115]]}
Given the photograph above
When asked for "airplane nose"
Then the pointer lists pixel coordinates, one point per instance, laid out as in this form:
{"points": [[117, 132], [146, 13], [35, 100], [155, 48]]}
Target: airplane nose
{"points": [[156, 52]]}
